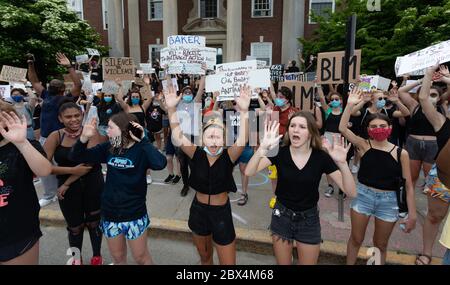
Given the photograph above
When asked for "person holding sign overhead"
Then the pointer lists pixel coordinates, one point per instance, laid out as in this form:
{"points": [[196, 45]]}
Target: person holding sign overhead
{"points": [[211, 177]]}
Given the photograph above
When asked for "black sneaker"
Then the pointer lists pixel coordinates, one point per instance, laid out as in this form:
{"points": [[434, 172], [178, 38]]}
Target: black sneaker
{"points": [[176, 180], [184, 191], [169, 179]]}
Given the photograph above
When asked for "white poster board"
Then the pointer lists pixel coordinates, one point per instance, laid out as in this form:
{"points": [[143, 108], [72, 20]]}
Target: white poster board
{"points": [[82, 58], [174, 83], [92, 51], [188, 59], [186, 41], [146, 68], [369, 82], [5, 91]]}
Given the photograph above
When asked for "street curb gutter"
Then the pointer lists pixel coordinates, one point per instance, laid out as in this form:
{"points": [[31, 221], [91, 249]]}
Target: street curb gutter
{"points": [[256, 241]]}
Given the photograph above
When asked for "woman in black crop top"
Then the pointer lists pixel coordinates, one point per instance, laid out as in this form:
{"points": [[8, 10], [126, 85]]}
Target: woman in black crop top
{"points": [[80, 186], [300, 163], [212, 178], [438, 193], [379, 178]]}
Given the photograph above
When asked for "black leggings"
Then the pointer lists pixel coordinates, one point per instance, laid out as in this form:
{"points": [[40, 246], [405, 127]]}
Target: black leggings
{"points": [[81, 207]]}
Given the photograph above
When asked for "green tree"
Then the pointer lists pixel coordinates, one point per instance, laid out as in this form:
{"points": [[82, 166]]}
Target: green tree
{"points": [[401, 27], [43, 28]]}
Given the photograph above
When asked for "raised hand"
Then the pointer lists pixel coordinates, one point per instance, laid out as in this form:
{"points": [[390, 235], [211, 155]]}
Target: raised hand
{"points": [[17, 127], [443, 69], [337, 149], [394, 84], [170, 96], [393, 95], [62, 59], [147, 79], [89, 130], [271, 137], [355, 96], [245, 96]]}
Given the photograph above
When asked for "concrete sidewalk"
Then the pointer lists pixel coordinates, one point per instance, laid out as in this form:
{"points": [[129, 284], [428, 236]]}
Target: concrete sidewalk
{"points": [[169, 212]]}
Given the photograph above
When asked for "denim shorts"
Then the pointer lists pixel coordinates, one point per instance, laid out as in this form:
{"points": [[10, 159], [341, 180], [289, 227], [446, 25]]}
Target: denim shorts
{"points": [[303, 227], [421, 150], [382, 205], [131, 230]]}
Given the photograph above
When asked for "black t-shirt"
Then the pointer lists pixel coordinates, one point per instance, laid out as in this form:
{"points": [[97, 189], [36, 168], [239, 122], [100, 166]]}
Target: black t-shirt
{"points": [[19, 206], [154, 118], [298, 190], [106, 111], [293, 69]]}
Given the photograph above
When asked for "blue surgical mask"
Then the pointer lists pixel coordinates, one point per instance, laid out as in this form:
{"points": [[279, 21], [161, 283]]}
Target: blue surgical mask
{"points": [[381, 104], [188, 98], [135, 101], [107, 99], [17, 98], [219, 152], [335, 104], [280, 102]]}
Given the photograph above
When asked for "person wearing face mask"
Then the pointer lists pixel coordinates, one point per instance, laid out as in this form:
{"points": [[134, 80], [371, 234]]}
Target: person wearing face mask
{"points": [[421, 142], [26, 109], [210, 218], [154, 117], [105, 110], [377, 190], [128, 154], [79, 186], [301, 161]]}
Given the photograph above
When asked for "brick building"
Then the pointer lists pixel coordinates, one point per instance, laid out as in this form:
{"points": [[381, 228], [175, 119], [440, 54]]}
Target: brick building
{"points": [[265, 29]]}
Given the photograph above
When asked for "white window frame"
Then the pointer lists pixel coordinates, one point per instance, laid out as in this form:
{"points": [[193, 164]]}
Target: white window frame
{"points": [[149, 11], [103, 15], [150, 48], [333, 9], [271, 10], [82, 7], [252, 48], [200, 10]]}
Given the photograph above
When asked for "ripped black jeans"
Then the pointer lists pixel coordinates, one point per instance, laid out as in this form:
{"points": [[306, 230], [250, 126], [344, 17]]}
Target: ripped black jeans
{"points": [[303, 227]]}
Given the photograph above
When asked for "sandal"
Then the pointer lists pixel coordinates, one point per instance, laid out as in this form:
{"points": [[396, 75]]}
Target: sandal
{"points": [[243, 201], [420, 260]]}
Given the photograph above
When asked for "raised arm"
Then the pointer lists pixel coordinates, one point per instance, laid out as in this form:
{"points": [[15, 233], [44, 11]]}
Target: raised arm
{"points": [[402, 111], [32, 76], [148, 99], [406, 97], [243, 102], [119, 97], [64, 61], [201, 90], [353, 99], [323, 102]]}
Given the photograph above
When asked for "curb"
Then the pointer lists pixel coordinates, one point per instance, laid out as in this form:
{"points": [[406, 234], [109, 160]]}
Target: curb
{"points": [[255, 241]]}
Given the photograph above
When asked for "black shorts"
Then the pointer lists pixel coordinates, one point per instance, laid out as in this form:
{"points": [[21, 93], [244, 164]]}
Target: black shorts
{"points": [[303, 227], [19, 248], [205, 220]]}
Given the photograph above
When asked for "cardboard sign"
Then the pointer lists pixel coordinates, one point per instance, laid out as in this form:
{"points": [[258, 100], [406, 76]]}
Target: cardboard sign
{"points": [[186, 41], [422, 59], [370, 82], [110, 87], [303, 94], [146, 68], [5, 91], [277, 73], [330, 67], [121, 68], [188, 60], [13, 74], [82, 58], [92, 51]]}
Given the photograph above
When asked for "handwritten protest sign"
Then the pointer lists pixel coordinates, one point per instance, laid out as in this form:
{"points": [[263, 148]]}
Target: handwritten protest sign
{"points": [[92, 51], [419, 60], [303, 94], [110, 87], [261, 64], [330, 67], [277, 73], [370, 82], [13, 74], [82, 58], [188, 60], [5, 91], [147, 68], [96, 87], [121, 68], [186, 40]]}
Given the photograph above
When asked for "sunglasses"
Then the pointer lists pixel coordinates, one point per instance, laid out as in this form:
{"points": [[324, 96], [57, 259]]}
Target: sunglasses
{"points": [[382, 98]]}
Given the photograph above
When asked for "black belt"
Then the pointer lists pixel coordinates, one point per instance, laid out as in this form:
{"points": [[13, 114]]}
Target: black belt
{"points": [[295, 215]]}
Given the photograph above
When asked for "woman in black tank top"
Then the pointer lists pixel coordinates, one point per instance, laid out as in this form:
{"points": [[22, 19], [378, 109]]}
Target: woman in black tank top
{"points": [[438, 193], [80, 186], [383, 165]]}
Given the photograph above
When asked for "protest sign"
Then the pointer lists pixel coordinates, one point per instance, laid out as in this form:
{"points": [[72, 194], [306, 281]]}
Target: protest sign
{"points": [[303, 94], [121, 68], [370, 82], [297, 76], [82, 58], [422, 59], [146, 68], [92, 51], [261, 64], [96, 87], [330, 67], [174, 84], [188, 60], [126, 85], [5, 91], [110, 87], [186, 40], [277, 72], [13, 74]]}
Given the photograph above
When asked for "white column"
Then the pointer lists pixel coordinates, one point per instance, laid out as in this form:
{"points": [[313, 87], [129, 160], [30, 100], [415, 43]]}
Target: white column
{"points": [[134, 31], [115, 28], [234, 30], [293, 28], [170, 19]]}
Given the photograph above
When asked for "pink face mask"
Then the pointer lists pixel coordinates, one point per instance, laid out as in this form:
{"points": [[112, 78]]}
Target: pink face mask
{"points": [[380, 134]]}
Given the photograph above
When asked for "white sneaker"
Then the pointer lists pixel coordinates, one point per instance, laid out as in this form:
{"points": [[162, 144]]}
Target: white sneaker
{"points": [[45, 202], [149, 179], [355, 169]]}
